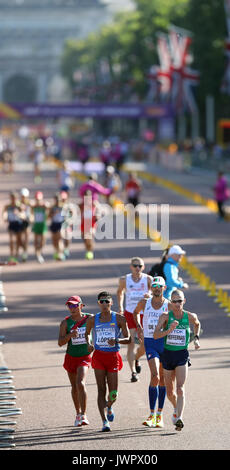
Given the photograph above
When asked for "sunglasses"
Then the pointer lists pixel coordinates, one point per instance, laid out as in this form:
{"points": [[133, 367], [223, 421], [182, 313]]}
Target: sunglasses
{"points": [[106, 301], [137, 265], [177, 301], [73, 305], [156, 285]]}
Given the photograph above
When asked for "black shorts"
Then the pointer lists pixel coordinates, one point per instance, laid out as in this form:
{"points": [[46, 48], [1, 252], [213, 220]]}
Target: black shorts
{"points": [[173, 359], [25, 224], [55, 227], [15, 227]]}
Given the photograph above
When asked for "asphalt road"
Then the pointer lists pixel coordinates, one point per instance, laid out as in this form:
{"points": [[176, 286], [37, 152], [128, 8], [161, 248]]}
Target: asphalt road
{"points": [[35, 297]]}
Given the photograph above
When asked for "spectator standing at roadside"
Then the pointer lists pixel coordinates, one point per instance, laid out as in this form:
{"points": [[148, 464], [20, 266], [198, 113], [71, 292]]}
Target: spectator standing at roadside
{"points": [[221, 194], [171, 271]]}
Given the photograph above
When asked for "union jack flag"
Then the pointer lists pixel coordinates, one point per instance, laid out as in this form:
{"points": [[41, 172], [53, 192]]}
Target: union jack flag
{"points": [[174, 74]]}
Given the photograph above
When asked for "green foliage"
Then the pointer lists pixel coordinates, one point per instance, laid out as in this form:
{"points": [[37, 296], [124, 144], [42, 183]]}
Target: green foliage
{"points": [[130, 42]]}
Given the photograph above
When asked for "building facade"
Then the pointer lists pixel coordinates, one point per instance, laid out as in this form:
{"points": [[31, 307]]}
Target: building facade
{"points": [[32, 37]]}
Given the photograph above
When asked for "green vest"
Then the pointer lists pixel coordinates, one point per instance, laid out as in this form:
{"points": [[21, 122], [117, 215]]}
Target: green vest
{"points": [[179, 338], [77, 347]]}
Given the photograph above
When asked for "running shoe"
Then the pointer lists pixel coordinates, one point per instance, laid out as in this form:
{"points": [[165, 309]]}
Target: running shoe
{"points": [[24, 257], [12, 259], [89, 255], [159, 420], [110, 414], [84, 420], [106, 426], [137, 367], [40, 259], [66, 252], [134, 377], [77, 422], [179, 424], [150, 421]]}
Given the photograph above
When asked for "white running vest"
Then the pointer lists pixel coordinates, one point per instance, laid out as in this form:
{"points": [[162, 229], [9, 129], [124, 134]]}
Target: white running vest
{"points": [[151, 317], [135, 291]]}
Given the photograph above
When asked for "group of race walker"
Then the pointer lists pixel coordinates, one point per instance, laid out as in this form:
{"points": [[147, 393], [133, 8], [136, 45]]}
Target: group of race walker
{"points": [[154, 312], [23, 215]]}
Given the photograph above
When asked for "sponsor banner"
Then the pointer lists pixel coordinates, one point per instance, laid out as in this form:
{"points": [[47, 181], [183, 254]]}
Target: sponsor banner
{"points": [[105, 111]]}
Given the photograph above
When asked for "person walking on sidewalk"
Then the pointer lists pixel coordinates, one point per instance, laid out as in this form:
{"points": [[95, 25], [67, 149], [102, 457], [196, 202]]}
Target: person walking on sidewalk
{"points": [[153, 308], [174, 327], [134, 285], [77, 358], [171, 270], [107, 327]]}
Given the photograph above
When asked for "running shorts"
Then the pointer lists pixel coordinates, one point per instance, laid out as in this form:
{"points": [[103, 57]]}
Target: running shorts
{"points": [[15, 226], [130, 321], [173, 359], [109, 361], [55, 227], [154, 348], [39, 228], [72, 363]]}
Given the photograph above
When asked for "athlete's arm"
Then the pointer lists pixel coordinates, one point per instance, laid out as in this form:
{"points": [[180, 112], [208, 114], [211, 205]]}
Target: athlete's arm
{"points": [[150, 280], [121, 321], [193, 319], [136, 315], [159, 333], [120, 294], [64, 337], [89, 326]]}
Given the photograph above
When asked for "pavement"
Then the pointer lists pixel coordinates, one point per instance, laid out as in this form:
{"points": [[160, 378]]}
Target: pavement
{"points": [[35, 297]]}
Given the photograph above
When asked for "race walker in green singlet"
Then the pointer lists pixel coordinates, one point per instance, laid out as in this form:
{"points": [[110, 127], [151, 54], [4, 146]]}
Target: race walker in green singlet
{"points": [[174, 327], [77, 357]]}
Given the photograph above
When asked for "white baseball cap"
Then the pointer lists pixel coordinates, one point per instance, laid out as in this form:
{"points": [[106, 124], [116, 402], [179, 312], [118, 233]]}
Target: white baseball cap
{"points": [[158, 281], [25, 192], [176, 250]]}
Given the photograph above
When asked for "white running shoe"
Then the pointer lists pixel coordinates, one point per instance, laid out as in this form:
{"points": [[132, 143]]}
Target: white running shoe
{"points": [[84, 420], [77, 422]]}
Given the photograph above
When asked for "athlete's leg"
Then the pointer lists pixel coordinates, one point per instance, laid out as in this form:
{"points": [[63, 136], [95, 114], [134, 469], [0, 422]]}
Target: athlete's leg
{"points": [[74, 391], [81, 388], [130, 350], [169, 383], [140, 351], [100, 376], [112, 380], [181, 374]]}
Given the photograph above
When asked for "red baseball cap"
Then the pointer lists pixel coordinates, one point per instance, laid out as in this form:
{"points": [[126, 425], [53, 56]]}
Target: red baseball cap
{"points": [[74, 299], [38, 195]]}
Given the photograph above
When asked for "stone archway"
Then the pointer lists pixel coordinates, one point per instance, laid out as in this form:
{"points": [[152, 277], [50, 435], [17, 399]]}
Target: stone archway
{"points": [[20, 89]]}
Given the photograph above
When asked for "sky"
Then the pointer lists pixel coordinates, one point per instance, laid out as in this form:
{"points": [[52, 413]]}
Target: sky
{"points": [[119, 5]]}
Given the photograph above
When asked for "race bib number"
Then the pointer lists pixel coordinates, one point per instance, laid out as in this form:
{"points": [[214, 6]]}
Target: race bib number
{"points": [[39, 217], [80, 338], [177, 337], [103, 335]]}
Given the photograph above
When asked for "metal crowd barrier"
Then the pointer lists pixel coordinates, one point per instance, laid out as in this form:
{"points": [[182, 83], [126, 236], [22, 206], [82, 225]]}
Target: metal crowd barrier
{"points": [[7, 392]]}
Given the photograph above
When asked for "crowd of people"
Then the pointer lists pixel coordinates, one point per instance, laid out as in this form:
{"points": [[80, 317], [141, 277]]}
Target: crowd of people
{"points": [[162, 326], [25, 215]]}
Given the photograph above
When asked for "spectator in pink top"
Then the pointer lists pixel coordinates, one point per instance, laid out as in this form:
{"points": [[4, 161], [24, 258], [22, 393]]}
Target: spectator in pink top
{"points": [[95, 188], [221, 193]]}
